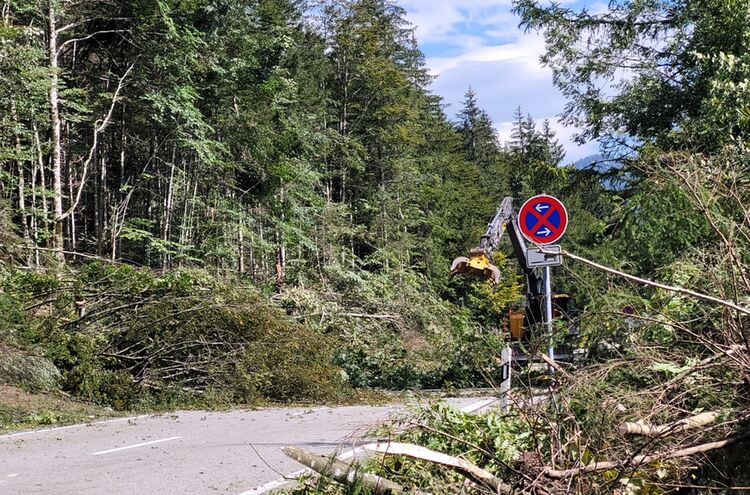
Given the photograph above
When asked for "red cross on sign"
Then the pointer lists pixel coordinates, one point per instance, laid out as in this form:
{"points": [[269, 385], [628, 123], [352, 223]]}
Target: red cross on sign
{"points": [[543, 219]]}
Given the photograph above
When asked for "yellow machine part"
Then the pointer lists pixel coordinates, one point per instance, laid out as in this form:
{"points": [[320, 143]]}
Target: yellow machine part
{"points": [[516, 319], [477, 264]]}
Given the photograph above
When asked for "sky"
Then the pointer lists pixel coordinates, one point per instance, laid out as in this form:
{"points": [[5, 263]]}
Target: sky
{"points": [[478, 43]]}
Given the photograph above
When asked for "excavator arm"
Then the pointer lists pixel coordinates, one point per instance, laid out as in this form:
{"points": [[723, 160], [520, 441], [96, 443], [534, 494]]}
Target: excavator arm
{"points": [[479, 262]]}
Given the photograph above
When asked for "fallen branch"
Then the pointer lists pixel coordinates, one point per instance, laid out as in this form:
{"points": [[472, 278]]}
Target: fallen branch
{"points": [[645, 459], [347, 474], [465, 467], [555, 365], [702, 364], [659, 285], [72, 253], [373, 317], [642, 429]]}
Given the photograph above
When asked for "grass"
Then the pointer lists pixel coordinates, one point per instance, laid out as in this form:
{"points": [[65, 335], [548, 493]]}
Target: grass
{"points": [[21, 410]]}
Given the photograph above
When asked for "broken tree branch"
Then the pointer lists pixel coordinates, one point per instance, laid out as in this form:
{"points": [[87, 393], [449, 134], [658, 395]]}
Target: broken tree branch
{"points": [[76, 40], [645, 459], [555, 365], [463, 466], [342, 472], [659, 285], [374, 317], [99, 126], [656, 431]]}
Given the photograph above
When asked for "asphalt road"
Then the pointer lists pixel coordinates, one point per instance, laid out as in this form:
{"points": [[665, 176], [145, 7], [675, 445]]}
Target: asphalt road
{"points": [[192, 452]]}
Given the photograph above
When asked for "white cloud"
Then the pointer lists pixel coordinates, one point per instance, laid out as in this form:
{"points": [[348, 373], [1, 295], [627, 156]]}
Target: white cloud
{"points": [[525, 51], [478, 43], [435, 20], [504, 85]]}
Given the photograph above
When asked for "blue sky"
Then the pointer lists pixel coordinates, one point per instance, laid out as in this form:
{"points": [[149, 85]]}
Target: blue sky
{"points": [[478, 43]]}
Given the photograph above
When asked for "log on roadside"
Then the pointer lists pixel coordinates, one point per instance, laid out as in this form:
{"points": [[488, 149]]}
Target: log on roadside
{"points": [[347, 474], [471, 471], [656, 431]]}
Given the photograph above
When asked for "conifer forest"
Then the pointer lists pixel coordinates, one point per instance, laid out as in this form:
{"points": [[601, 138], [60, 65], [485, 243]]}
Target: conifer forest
{"points": [[219, 203]]}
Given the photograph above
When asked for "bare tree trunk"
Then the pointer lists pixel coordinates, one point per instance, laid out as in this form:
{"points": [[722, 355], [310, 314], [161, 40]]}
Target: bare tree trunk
{"points": [[102, 199], [191, 215], [43, 185], [54, 102], [72, 217], [241, 249], [34, 220], [347, 474], [117, 220], [280, 249], [263, 263], [6, 12], [383, 211], [168, 207], [22, 201], [115, 236], [185, 223], [21, 176], [280, 267]]}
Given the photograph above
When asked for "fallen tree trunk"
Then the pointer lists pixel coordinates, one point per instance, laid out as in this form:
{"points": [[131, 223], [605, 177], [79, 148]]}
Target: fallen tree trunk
{"points": [[645, 459], [347, 474], [671, 288], [463, 466], [651, 431], [555, 365]]}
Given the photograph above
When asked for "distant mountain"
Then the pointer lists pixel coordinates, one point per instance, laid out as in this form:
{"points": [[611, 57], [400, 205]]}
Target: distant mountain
{"points": [[600, 164], [587, 161]]}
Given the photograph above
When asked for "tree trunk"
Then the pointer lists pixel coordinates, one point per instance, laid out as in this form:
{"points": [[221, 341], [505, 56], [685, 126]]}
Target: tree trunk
{"points": [[280, 267], [54, 102], [21, 177], [72, 218], [102, 199], [342, 472], [34, 219], [168, 208], [241, 249], [43, 189]]}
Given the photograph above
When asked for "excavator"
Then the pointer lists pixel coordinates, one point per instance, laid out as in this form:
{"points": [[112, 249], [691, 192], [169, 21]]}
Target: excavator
{"points": [[479, 263]]}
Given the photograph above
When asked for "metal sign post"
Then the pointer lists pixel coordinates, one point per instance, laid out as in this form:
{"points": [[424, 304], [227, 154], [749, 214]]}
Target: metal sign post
{"points": [[548, 315], [543, 220], [507, 359]]}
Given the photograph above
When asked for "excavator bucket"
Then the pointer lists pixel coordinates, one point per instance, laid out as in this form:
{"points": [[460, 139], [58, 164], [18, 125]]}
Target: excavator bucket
{"points": [[477, 264]]}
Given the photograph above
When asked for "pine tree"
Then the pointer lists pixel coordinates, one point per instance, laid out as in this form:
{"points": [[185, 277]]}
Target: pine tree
{"points": [[480, 141]]}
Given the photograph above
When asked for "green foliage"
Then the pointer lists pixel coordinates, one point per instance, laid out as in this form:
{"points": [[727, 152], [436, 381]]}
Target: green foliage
{"points": [[152, 341], [394, 333], [490, 440], [638, 72]]}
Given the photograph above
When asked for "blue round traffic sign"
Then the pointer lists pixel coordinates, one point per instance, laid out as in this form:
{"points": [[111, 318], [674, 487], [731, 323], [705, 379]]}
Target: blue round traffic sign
{"points": [[543, 219]]}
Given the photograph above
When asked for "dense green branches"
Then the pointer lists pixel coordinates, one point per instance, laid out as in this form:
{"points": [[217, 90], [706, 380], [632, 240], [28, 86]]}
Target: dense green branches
{"points": [[646, 71], [299, 151]]}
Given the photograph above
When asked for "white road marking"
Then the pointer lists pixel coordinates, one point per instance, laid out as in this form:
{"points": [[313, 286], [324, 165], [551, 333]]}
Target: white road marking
{"points": [[479, 405], [59, 428], [12, 475], [278, 483], [152, 442], [272, 485]]}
